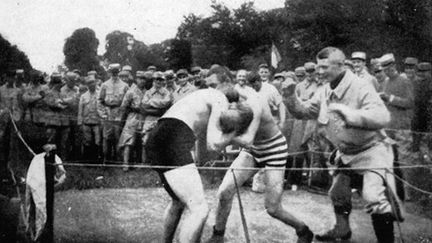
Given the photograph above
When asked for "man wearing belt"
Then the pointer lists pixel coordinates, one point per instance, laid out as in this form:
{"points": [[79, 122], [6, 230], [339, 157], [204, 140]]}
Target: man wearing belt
{"points": [[353, 116], [155, 102], [89, 120], [110, 98], [132, 104]]}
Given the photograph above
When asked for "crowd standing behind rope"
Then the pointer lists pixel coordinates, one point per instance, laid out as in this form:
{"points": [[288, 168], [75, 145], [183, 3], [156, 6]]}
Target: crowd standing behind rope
{"points": [[110, 121]]}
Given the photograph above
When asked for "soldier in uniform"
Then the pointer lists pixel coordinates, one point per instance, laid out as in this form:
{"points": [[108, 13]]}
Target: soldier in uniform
{"points": [[398, 96], [130, 80], [155, 102], [57, 124], [132, 104], [89, 120], [410, 66], [35, 113], [11, 107], [69, 94], [183, 86], [170, 81], [110, 98], [300, 73], [352, 115], [359, 63]]}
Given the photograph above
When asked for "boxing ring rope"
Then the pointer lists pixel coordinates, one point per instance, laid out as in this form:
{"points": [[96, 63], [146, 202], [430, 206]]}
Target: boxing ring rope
{"points": [[243, 218]]}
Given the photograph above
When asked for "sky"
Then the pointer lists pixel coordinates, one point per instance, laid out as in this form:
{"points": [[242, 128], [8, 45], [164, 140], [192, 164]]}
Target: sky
{"points": [[40, 27]]}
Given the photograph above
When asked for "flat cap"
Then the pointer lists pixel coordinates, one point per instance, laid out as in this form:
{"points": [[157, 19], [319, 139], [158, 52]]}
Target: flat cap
{"points": [[309, 66], [19, 71], [424, 66], [158, 75], [299, 71], [90, 79], [358, 55], [123, 73], [127, 68], [140, 74], [279, 75], [151, 67], [411, 61], [92, 72], [387, 59], [114, 67], [148, 75], [196, 69], [182, 71], [71, 76]]}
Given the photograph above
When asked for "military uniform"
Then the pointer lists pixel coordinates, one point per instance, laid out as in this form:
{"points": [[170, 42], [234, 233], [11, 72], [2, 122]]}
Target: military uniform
{"points": [[182, 91], [157, 99], [110, 98], [134, 119], [357, 147], [88, 118]]}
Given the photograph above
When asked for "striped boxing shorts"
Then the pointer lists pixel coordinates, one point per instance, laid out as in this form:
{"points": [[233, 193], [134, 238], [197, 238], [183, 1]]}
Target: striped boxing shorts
{"points": [[272, 152]]}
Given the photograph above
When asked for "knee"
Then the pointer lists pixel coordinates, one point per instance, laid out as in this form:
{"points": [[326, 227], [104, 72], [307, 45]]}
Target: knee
{"points": [[200, 211], [225, 195], [272, 209]]}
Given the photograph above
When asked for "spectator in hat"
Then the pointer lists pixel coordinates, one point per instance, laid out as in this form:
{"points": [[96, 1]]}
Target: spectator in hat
{"points": [[35, 113], [378, 73], [57, 124], [95, 74], [277, 81], [128, 69], [170, 81], [132, 129], [11, 107], [300, 73], [358, 59], [125, 77], [89, 120], [110, 99], [151, 68], [421, 122], [410, 66], [264, 72], [398, 96], [183, 86], [155, 102], [70, 95]]}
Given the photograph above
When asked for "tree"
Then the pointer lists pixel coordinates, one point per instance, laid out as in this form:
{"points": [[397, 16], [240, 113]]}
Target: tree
{"points": [[80, 50], [179, 54], [12, 58]]}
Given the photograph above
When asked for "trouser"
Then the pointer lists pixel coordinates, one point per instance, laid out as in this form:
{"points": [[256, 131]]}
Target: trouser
{"points": [[91, 135], [59, 135], [378, 185], [111, 131]]}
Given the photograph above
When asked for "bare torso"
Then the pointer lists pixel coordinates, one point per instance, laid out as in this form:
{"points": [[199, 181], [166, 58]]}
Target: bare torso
{"points": [[267, 126], [194, 110]]}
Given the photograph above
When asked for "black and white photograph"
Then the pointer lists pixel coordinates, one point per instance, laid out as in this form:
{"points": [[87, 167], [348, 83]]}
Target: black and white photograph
{"points": [[215, 121]]}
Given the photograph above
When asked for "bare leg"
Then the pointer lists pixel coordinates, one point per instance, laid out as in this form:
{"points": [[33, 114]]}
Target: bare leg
{"points": [[187, 185], [273, 196], [227, 188], [172, 217]]}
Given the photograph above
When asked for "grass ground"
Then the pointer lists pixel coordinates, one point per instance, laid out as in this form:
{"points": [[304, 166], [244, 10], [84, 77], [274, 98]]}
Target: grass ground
{"points": [[135, 215]]}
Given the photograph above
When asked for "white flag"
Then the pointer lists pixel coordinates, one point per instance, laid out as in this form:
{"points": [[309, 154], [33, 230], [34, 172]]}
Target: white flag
{"points": [[275, 56]]}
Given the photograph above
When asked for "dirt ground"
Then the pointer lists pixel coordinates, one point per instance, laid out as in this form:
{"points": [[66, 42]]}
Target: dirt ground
{"points": [[135, 215]]}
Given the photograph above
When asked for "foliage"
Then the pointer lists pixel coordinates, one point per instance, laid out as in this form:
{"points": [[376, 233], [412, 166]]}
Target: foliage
{"points": [[12, 58], [242, 37], [80, 50]]}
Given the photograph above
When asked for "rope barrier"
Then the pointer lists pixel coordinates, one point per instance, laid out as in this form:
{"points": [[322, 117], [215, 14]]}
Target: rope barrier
{"points": [[410, 185], [20, 136]]}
